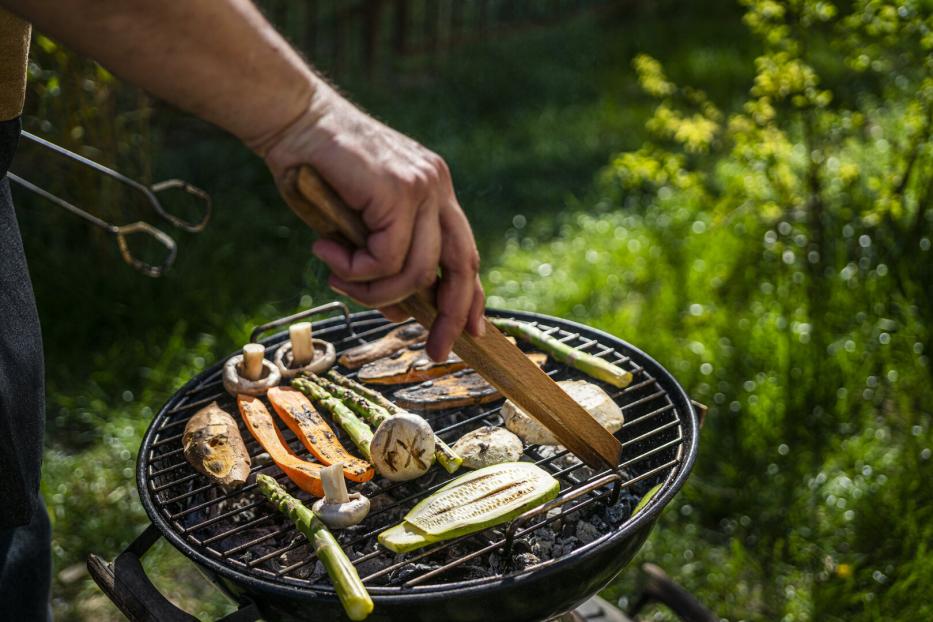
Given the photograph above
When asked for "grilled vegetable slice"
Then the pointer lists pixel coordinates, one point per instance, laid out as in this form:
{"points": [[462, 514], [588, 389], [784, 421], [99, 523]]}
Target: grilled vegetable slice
{"points": [[393, 341], [375, 409], [463, 388], [260, 424], [214, 447], [578, 359], [403, 447], [589, 395], [300, 415], [359, 432], [487, 446], [471, 503], [407, 366], [350, 589]]}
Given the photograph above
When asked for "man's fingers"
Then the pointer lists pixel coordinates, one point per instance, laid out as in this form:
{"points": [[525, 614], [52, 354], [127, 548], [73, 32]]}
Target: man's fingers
{"points": [[476, 324], [394, 313], [455, 294], [419, 273]]}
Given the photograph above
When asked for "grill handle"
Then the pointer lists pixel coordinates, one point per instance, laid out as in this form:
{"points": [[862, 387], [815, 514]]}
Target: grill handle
{"points": [[125, 582], [327, 308], [497, 360]]}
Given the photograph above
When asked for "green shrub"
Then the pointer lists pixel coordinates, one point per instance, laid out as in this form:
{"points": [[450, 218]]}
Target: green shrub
{"points": [[777, 259]]}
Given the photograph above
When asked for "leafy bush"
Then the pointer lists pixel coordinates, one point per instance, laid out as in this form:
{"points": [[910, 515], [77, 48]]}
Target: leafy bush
{"points": [[777, 258]]}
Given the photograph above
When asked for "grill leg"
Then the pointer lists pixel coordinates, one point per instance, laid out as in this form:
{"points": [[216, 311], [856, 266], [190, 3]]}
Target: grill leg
{"points": [[125, 582]]}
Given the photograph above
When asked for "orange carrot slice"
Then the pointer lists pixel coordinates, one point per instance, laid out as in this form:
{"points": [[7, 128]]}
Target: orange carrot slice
{"points": [[260, 424], [300, 415]]}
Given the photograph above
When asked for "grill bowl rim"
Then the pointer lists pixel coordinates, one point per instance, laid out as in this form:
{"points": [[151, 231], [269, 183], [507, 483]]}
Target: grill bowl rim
{"points": [[645, 519]]}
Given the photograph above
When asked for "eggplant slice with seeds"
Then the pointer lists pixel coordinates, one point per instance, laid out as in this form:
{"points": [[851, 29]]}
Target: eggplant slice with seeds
{"points": [[408, 366]]}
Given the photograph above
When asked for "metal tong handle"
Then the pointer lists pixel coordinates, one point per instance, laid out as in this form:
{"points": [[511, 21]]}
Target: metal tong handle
{"points": [[120, 232], [149, 192]]}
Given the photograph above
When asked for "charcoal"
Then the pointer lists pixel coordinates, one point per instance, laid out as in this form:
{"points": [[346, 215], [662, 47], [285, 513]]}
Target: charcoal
{"points": [[409, 571], [587, 532], [524, 560]]}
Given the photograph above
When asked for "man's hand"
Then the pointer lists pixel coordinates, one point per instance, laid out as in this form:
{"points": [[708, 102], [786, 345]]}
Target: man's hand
{"points": [[222, 61], [406, 199]]}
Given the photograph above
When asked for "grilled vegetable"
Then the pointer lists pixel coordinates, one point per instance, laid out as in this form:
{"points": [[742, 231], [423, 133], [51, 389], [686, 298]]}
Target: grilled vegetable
{"points": [[375, 408], [358, 431], [590, 396], [298, 414], [587, 363], [403, 447], [407, 366], [463, 388], [250, 373], [303, 353], [350, 589], [487, 446], [339, 508], [471, 503], [260, 424], [214, 447], [393, 341]]}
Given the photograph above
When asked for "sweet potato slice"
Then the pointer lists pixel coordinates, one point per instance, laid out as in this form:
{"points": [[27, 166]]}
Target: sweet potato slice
{"points": [[261, 425], [392, 342], [300, 415]]}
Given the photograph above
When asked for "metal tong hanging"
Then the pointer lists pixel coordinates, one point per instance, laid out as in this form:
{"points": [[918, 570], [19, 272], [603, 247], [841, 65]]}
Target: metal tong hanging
{"points": [[120, 232]]}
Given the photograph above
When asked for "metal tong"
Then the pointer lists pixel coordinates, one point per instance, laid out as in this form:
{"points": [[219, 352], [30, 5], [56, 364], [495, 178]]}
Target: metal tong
{"points": [[121, 232]]}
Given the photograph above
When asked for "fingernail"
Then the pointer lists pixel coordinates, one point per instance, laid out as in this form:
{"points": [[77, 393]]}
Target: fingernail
{"points": [[481, 328]]}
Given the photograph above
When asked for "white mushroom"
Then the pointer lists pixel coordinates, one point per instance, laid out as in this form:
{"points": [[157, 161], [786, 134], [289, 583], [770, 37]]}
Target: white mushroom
{"points": [[338, 508], [303, 353], [488, 445], [402, 447], [591, 397], [250, 373]]}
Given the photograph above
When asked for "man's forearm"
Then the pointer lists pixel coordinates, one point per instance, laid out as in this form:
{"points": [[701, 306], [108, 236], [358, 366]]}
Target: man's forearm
{"points": [[218, 59]]}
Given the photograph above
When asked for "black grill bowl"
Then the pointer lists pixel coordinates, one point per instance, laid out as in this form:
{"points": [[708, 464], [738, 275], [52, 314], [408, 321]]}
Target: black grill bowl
{"points": [[660, 440]]}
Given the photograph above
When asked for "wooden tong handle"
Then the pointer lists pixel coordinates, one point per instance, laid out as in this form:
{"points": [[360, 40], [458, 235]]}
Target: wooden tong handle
{"points": [[493, 356]]}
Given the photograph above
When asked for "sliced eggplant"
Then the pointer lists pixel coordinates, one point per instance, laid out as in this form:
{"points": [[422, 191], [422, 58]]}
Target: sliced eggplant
{"points": [[471, 503], [487, 446], [591, 397], [462, 388], [407, 366], [214, 447], [392, 342]]}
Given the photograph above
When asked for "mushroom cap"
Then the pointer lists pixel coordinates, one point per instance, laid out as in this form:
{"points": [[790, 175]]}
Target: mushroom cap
{"points": [[487, 446], [402, 447], [235, 384], [324, 357], [341, 515]]}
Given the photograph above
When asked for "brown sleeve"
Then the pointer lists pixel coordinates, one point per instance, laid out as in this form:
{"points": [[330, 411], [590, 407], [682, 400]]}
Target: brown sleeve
{"points": [[14, 52]]}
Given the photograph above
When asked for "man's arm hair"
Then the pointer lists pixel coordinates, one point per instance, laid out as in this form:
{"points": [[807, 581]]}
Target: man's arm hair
{"points": [[218, 59]]}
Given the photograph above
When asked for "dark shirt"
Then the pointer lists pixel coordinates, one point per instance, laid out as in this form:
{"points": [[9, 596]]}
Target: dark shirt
{"points": [[22, 417]]}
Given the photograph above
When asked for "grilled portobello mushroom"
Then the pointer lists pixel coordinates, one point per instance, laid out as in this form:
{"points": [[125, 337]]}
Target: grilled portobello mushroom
{"points": [[390, 343]]}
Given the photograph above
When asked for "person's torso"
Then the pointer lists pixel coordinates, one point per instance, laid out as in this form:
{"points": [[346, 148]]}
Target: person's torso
{"points": [[14, 51]]}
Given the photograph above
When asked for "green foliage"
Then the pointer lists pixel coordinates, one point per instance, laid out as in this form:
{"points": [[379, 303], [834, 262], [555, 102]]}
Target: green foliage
{"points": [[778, 260]]}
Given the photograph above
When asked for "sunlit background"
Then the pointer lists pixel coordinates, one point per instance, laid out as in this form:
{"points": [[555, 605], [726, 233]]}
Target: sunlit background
{"points": [[740, 189]]}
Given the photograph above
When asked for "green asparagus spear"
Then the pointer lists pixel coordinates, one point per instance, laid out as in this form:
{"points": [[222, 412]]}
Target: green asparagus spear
{"points": [[359, 432], [587, 363], [350, 589], [374, 401]]}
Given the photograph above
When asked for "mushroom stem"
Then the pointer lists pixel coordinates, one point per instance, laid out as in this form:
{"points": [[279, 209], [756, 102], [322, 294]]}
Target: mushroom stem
{"points": [[335, 488], [302, 346], [253, 354]]}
